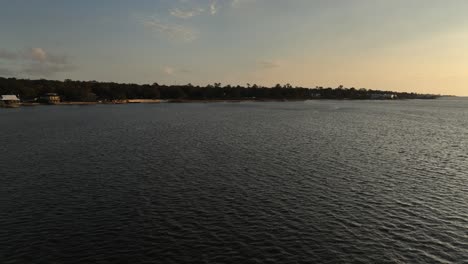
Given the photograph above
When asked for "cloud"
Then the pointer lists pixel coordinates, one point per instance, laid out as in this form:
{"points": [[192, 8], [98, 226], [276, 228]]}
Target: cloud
{"points": [[173, 31], [188, 10], [38, 54], [171, 71], [186, 14], [269, 64], [45, 63], [35, 61], [167, 70], [237, 3], [214, 7]]}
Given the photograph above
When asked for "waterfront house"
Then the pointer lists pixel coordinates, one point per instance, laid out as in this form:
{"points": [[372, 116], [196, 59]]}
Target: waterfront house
{"points": [[9, 101], [50, 98]]}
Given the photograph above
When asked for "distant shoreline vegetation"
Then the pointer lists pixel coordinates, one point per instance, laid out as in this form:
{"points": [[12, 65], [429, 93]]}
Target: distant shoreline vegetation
{"points": [[93, 91]]}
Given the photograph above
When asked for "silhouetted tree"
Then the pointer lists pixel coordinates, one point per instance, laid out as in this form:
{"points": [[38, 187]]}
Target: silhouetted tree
{"points": [[85, 91]]}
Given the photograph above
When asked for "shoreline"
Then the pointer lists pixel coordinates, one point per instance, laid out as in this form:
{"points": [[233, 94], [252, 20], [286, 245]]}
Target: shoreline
{"points": [[185, 101], [159, 101]]}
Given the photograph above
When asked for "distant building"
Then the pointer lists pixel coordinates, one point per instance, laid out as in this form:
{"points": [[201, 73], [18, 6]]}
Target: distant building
{"points": [[9, 101], [50, 98]]}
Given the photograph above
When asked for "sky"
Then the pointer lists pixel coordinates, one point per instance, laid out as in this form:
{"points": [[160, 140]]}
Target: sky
{"points": [[401, 45]]}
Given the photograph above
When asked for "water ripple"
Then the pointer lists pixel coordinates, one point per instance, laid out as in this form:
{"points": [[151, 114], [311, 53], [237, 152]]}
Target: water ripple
{"points": [[313, 182]]}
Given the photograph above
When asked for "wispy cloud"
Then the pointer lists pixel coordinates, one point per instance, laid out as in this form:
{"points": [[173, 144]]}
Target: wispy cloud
{"points": [[238, 3], [168, 70], [35, 61], [163, 24], [214, 7], [235, 3], [186, 14], [173, 31], [171, 71]]}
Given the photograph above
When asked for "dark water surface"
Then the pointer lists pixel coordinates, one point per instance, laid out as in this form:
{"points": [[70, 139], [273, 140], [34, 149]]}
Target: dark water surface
{"points": [[302, 182]]}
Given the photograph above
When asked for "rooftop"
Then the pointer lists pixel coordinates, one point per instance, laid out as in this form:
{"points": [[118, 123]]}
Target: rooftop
{"points": [[9, 97]]}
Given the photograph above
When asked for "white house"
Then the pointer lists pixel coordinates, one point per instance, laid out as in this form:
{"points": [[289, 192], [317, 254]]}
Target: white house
{"points": [[9, 101]]}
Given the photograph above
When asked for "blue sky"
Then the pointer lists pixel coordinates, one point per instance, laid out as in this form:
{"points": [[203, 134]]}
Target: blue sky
{"points": [[416, 45]]}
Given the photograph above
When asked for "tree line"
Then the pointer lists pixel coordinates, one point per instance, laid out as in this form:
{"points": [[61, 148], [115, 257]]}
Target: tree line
{"points": [[84, 91]]}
